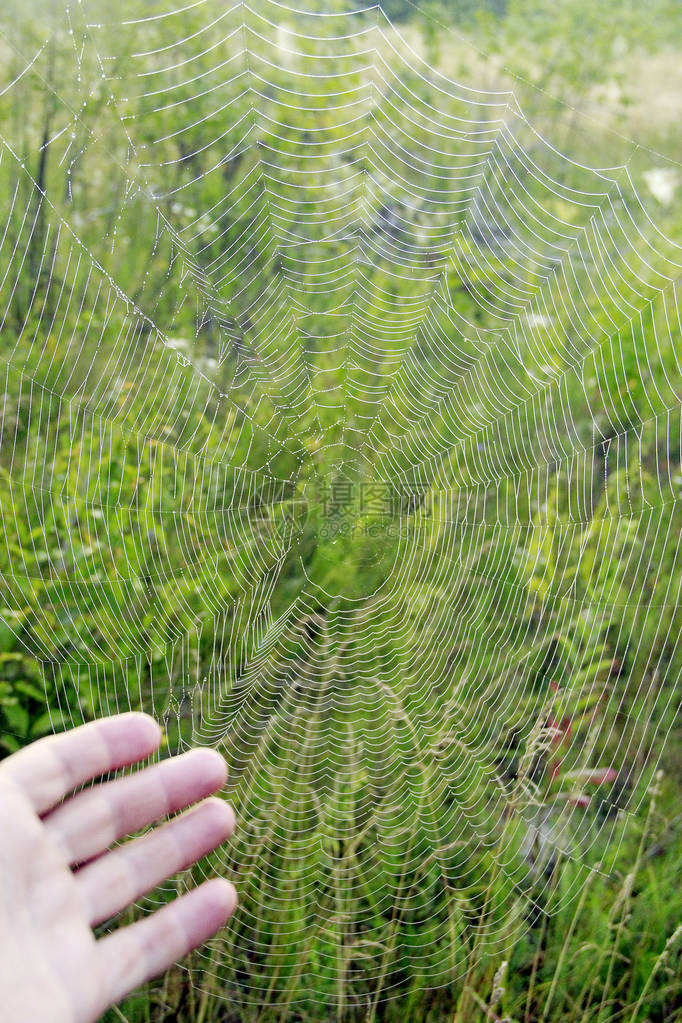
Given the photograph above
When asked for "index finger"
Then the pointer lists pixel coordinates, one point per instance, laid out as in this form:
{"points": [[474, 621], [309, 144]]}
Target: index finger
{"points": [[50, 768]]}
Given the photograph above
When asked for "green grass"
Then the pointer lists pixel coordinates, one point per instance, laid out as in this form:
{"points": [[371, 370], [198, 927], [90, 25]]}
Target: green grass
{"points": [[401, 791]]}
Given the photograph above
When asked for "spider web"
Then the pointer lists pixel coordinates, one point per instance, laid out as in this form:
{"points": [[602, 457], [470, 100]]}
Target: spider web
{"points": [[342, 431]]}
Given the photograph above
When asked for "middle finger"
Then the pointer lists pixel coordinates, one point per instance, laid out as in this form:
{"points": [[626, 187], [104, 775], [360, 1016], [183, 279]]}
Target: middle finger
{"points": [[91, 821]]}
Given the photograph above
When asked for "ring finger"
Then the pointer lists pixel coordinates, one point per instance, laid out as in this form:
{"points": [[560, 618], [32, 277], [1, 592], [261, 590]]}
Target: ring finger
{"points": [[115, 880]]}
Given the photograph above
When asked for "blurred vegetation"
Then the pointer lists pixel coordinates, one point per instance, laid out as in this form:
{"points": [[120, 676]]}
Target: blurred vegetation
{"points": [[148, 511]]}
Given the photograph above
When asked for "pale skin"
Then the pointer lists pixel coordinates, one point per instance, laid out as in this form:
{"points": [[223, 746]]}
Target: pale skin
{"points": [[61, 872]]}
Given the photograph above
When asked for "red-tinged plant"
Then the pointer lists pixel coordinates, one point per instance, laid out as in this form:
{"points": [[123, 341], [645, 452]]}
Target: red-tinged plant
{"points": [[568, 784]]}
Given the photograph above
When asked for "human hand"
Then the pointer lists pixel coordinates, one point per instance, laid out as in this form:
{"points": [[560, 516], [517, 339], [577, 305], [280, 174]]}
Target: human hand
{"points": [[57, 879]]}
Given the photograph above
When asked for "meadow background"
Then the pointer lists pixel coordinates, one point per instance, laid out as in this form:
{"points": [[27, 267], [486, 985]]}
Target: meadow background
{"points": [[594, 78]]}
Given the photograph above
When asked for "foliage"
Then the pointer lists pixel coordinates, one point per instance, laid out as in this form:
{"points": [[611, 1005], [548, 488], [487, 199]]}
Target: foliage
{"points": [[574, 688]]}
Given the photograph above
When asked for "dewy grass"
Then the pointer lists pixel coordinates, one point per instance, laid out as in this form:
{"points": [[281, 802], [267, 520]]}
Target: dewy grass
{"points": [[341, 430], [495, 990]]}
